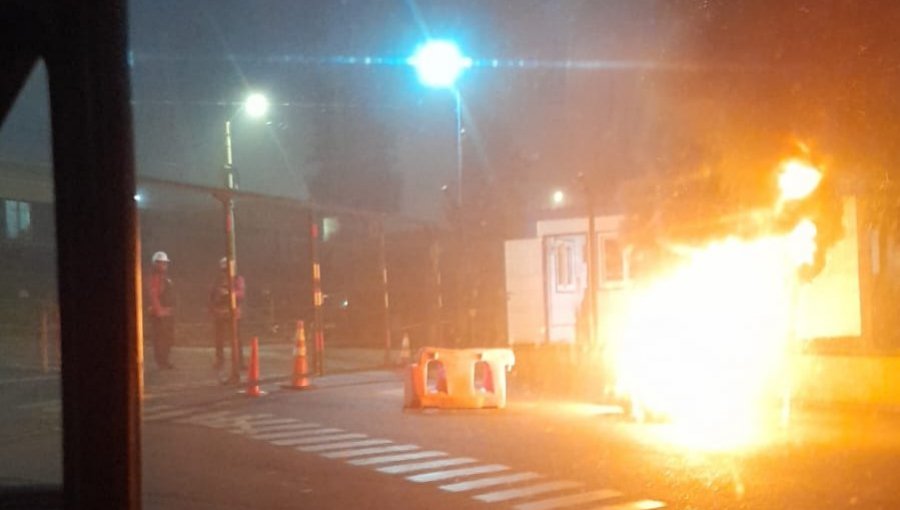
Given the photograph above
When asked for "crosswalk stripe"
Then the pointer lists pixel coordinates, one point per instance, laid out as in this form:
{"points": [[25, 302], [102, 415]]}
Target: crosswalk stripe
{"points": [[644, 504], [482, 483], [165, 415], [296, 425], [296, 433], [344, 445], [248, 427], [454, 473], [316, 439], [387, 459], [370, 451], [202, 418], [573, 499], [249, 420], [532, 490], [229, 421], [271, 421], [398, 469], [152, 408]]}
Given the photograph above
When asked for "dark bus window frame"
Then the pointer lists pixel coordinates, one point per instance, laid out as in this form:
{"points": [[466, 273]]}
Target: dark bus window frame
{"points": [[84, 47]]}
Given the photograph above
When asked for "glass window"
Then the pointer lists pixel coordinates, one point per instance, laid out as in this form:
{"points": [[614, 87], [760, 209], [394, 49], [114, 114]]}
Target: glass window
{"points": [[565, 261], [669, 114], [30, 423], [18, 219]]}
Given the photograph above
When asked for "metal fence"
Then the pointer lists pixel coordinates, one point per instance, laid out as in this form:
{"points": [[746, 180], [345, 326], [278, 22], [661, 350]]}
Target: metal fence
{"points": [[274, 253]]}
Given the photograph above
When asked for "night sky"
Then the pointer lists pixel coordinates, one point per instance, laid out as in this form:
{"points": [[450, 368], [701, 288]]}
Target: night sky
{"points": [[618, 90]]}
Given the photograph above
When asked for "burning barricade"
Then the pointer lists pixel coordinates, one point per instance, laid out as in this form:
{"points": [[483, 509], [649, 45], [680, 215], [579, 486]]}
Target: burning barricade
{"points": [[712, 312]]}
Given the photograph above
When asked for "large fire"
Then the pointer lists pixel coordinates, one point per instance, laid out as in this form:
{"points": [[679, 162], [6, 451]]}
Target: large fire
{"points": [[705, 341]]}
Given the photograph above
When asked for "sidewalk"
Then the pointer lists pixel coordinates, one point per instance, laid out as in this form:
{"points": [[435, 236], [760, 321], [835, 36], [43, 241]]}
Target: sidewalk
{"points": [[194, 365]]}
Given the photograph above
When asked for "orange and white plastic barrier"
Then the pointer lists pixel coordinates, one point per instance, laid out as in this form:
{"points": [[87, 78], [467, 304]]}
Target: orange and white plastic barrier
{"points": [[458, 378]]}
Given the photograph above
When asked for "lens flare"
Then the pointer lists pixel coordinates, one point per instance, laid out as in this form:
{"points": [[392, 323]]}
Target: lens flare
{"points": [[256, 105]]}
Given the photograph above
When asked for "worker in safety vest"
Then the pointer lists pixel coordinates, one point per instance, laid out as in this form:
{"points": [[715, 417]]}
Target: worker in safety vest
{"points": [[220, 310], [161, 307]]}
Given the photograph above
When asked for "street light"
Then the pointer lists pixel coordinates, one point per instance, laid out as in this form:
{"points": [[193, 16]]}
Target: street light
{"points": [[438, 64], [558, 197], [255, 106]]}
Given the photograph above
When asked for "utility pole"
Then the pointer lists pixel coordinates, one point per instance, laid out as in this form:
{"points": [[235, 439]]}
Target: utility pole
{"points": [[382, 262], [437, 307], [318, 326], [230, 256], [591, 263]]}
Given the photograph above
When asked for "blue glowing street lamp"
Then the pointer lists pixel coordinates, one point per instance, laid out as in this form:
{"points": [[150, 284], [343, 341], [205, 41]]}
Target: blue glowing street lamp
{"points": [[438, 64]]}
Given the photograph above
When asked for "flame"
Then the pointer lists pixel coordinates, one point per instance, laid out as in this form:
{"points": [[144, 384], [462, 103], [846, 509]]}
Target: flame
{"points": [[798, 179], [705, 344]]}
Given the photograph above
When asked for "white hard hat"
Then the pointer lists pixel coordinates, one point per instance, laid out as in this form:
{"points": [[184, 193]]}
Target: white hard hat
{"points": [[160, 256]]}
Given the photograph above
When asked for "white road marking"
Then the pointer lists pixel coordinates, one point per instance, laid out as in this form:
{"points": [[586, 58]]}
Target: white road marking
{"points": [[397, 458], [152, 408], [165, 415], [573, 499], [313, 438], [250, 420], [258, 431], [454, 473], [203, 418], [489, 482], [342, 446], [42, 403], [532, 490], [316, 439], [398, 469], [644, 504], [242, 426], [370, 451], [29, 379], [296, 433], [224, 420]]}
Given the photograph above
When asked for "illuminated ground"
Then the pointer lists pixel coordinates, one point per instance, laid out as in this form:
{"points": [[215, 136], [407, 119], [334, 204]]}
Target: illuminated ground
{"points": [[825, 459]]}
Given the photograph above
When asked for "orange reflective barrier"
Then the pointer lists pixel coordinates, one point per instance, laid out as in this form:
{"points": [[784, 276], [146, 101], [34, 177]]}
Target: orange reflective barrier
{"points": [[458, 378]]}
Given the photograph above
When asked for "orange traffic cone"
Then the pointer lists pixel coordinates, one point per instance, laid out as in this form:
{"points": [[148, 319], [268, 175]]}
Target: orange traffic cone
{"points": [[300, 379], [253, 371], [405, 356]]}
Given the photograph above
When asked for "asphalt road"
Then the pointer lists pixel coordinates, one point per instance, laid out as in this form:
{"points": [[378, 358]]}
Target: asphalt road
{"points": [[349, 444], [272, 452]]}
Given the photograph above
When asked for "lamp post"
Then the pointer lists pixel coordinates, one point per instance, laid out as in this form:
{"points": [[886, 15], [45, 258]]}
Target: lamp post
{"points": [[438, 64], [255, 106]]}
